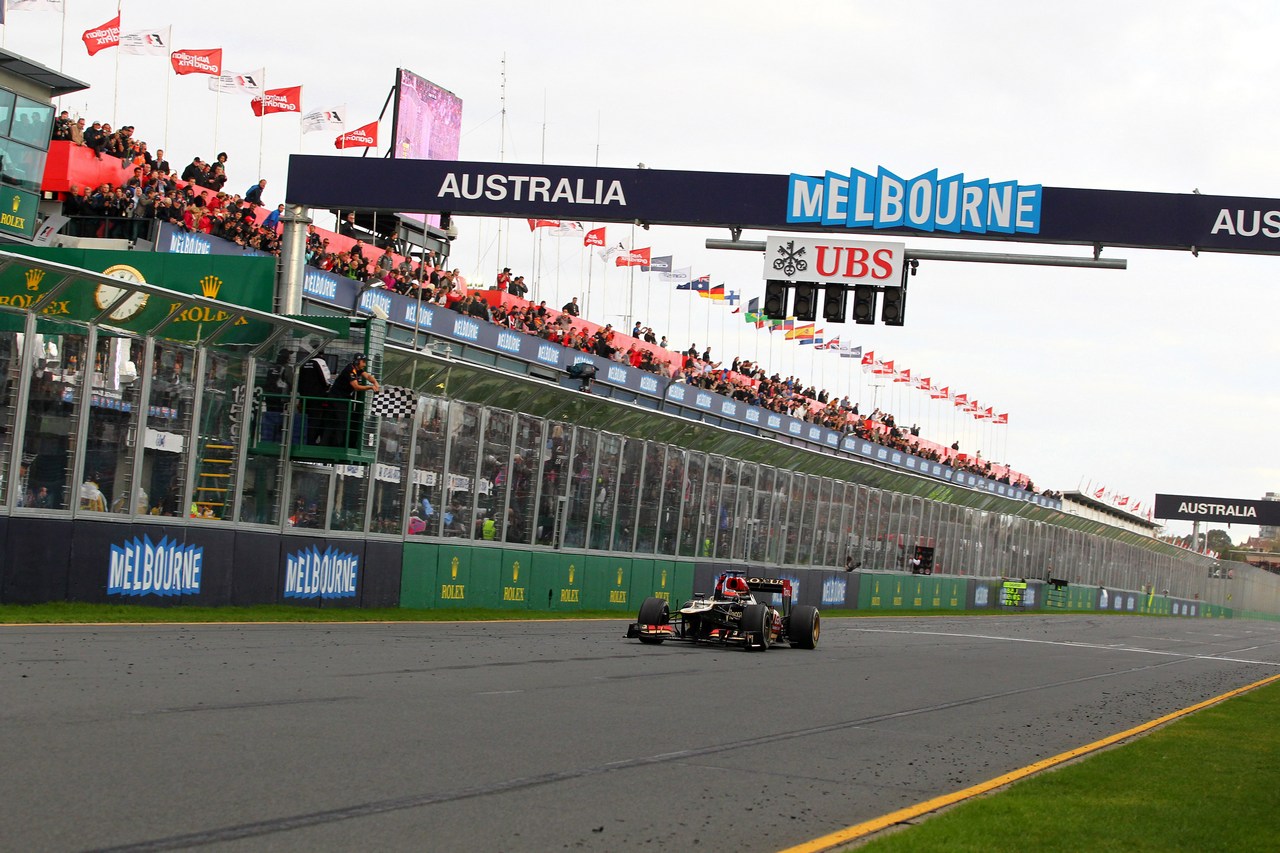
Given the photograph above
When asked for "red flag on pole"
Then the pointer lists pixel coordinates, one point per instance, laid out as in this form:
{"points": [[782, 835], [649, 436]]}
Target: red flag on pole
{"points": [[361, 137], [1001, 419], [595, 237], [633, 258], [543, 223], [197, 61], [102, 37], [286, 100]]}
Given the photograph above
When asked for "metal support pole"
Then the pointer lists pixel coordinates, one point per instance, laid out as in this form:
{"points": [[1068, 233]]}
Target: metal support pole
{"points": [[293, 258]]}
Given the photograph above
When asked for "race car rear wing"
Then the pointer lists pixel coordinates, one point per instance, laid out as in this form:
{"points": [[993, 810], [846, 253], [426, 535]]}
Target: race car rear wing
{"points": [[778, 585]]}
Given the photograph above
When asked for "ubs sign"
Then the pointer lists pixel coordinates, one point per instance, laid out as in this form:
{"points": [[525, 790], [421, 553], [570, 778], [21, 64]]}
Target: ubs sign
{"points": [[822, 259]]}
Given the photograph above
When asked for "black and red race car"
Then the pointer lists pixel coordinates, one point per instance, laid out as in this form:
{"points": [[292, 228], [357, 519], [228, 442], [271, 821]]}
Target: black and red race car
{"points": [[732, 615]]}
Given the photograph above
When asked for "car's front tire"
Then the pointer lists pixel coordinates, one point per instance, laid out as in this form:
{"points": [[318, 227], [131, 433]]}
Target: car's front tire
{"points": [[654, 611], [757, 620]]}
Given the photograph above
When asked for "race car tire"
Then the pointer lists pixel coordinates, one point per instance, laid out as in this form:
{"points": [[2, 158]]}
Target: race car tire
{"points": [[804, 625], [757, 620], [654, 611]]}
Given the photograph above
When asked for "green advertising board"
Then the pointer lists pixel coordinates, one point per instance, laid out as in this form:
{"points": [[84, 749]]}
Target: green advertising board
{"points": [[248, 282], [18, 212]]}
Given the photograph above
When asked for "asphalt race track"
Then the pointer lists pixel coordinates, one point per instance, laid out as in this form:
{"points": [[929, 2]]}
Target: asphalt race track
{"points": [[541, 736]]}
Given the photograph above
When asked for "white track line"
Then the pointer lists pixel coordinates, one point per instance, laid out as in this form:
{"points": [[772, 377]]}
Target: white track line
{"points": [[1069, 644]]}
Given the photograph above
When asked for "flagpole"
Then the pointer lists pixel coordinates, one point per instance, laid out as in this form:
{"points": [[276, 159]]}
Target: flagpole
{"points": [[261, 122], [586, 301]]}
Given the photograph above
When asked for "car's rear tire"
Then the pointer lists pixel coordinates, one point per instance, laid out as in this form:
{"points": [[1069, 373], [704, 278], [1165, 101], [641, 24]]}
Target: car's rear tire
{"points": [[757, 620], [654, 611], [804, 626]]}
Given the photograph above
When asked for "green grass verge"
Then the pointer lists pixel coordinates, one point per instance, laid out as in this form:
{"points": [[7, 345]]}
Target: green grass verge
{"points": [[1210, 781]]}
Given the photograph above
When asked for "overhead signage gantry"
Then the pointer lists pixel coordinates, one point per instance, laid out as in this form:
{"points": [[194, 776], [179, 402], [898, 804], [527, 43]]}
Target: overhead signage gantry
{"points": [[850, 202]]}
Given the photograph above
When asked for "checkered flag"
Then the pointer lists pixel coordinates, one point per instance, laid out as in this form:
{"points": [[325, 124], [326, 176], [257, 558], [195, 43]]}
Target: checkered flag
{"points": [[394, 401]]}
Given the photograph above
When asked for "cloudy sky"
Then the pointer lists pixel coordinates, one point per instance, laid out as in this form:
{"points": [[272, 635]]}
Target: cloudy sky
{"points": [[1160, 378]]}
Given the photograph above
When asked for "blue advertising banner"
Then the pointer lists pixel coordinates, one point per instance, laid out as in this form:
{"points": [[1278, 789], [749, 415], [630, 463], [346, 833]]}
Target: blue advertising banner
{"points": [[176, 241], [955, 206]]}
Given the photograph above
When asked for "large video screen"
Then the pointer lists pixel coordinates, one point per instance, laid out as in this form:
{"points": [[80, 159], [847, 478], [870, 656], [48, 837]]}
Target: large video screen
{"points": [[428, 124]]}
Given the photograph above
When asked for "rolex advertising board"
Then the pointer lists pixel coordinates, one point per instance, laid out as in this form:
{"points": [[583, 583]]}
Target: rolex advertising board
{"points": [[246, 282], [18, 212]]}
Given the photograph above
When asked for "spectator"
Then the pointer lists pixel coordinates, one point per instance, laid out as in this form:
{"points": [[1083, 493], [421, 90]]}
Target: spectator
{"points": [[571, 307], [253, 195], [273, 220]]}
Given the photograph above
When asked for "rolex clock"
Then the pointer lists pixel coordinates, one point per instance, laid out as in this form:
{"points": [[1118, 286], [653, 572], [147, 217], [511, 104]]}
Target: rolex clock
{"points": [[106, 295]]}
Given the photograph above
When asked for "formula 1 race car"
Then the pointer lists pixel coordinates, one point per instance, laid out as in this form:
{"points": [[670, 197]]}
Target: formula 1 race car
{"points": [[732, 614]]}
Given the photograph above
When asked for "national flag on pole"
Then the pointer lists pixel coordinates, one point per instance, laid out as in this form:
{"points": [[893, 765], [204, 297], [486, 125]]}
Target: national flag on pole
{"points": [[149, 42], [286, 100], [732, 297], [753, 305], [834, 343], [1001, 419], [658, 264], [331, 118], [699, 285], [633, 258], [197, 61], [239, 82], [796, 333], [676, 276], [715, 292], [361, 137], [782, 325], [102, 36], [594, 237]]}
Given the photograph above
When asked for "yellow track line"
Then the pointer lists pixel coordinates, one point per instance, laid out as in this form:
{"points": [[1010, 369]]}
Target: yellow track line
{"points": [[858, 831]]}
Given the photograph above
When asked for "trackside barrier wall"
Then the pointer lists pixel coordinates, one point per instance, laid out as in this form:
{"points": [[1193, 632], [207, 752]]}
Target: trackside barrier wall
{"points": [[56, 559], [442, 575]]}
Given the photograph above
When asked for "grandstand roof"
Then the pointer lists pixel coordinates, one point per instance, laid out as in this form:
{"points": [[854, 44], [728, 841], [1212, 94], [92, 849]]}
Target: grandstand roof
{"points": [[56, 82]]}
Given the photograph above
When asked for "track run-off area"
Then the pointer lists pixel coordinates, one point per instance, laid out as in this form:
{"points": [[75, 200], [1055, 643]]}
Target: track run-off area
{"points": [[534, 736]]}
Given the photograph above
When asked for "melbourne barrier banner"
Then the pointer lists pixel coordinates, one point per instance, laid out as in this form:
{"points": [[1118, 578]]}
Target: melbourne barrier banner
{"points": [[312, 573], [197, 61], [286, 100], [140, 566], [1218, 510], [872, 199]]}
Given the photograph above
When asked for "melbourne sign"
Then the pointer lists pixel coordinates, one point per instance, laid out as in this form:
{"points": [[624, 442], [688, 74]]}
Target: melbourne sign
{"points": [[923, 203], [142, 567], [312, 573], [934, 203], [1218, 510], [837, 261]]}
